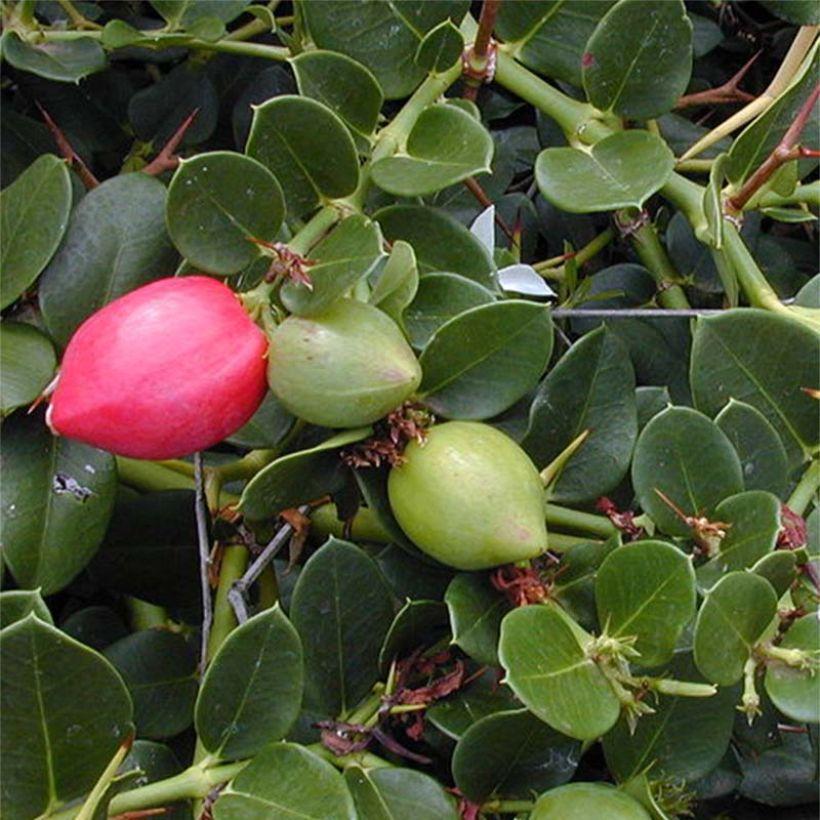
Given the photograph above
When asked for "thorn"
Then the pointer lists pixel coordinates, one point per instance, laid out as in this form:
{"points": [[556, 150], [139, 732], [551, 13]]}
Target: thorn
{"points": [[166, 159], [68, 152], [726, 93]]}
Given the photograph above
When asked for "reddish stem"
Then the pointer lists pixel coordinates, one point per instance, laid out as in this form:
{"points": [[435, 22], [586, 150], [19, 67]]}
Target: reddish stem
{"points": [[68, 152], [726, 93], [474, 187], [476, 57], [166, 159]]}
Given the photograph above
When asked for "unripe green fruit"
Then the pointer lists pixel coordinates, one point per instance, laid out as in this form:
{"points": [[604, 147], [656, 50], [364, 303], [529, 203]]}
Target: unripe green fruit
{"points": [[469, 497], [346, 367]]}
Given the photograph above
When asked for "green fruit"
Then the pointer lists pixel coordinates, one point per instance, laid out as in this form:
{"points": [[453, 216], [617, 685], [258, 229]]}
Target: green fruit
{"points": [[580, 801], [469, 497], [346, 367]]}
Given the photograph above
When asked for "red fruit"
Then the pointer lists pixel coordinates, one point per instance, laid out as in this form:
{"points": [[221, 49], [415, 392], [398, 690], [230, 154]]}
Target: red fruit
{"points": [[166, 370]]}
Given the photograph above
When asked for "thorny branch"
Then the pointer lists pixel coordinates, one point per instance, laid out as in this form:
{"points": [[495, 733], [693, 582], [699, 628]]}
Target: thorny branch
{"points": [[726, 93], [68, 152], [166, 159]]}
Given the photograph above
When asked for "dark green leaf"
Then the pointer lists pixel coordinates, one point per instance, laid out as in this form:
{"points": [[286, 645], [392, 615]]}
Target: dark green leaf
{"points": [[591, 388], [779, 569], [57, 497], [55, 739], [218, 204], [485, 359], [27, 363], [476, 610], [153, 761], [394, 794], [116, 241], [802, 12], [67, 61], [785, 775], [440, 49], [34, 212], [183, 13], [684, 455], [267, 427], [16, 605], [794, 691], [620, 171], [649, 402], [342, 610], [95, 626], [252, 691], [638, 60], [579, 801], [417, 624], [293, 137]]}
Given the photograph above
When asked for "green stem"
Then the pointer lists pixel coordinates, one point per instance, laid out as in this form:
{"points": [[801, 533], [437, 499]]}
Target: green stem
{"points": [[687, 197], [365, 760], [234, 564], [268, 586], [750, 700], [560, 542], [316, 227], [247, 466], [506, 806], [143, 615], [92, 802], [178, 466], [806, 490], [751, 279], [553, 470], [25, 12], [808, 194], [564, 518], [552, 269], [324, 521]]}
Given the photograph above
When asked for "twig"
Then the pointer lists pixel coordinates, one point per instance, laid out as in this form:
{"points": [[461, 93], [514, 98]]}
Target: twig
{"points": [[726, 93], [477, 58], [166, 159], [201, 510], [474, 187], [785, 151], [631, 313], [67, 150], [76, 18]]}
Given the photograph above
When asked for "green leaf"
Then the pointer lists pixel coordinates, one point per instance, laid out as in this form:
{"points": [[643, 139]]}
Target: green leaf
{"points": [[650, 401], [342, 609], [16, 604], [293, 138], [482, 361], [417, 623], [398, 282], [116, 242], [684, 738], [476, 611], [27, 364], [591, 388], [218, 204], [620, 171], [57, 497], [345, 86], [646, 589], [67, 61], [34, 212], [298, 477], [55, 739], [785, 775], [252, 691], [796, 692], [391, 793], [549, 671], [762, 455], [267, 427], [802, 12], [159, 669], [779, 569], [581, 801], [549, 36], [446, 146], [510, 755], [151, 762], [382, 36], [440, 243], [95, 626], [638, 60], [441, 297], [440, 49], [731, 620], [341, 260], [686, 456], [286, 780], [764, 360], [753, 520]]}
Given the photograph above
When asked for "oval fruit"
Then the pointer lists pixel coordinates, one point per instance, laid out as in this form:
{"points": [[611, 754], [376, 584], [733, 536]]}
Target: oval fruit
{"points": [[346, 367], [168, 369], [469, 497]]}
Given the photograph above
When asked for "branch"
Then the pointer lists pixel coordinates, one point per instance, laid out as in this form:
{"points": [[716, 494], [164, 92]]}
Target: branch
{"points": [[474, 187], [478, 57], [785, 151], [68, 152], [166, 159], [203, 539], [726, 93]]}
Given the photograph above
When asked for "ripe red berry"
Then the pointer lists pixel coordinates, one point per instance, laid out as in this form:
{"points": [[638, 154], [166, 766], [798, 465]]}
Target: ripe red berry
{"points": [[166, 370]]}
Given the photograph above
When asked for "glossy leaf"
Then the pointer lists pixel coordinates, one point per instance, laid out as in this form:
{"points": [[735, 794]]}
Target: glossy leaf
{"points": [[753, 520], [398, 282], [802, 12], [219, 203], [779, 569], [292, 137], [57, 497], [55, 739], [34, 212], [116, 241], [159, 669], [440, 49], [482, 361], [646, 589], [391, 793], [685, 455], [267, 427], [440, 243], [548, 670], [762, 455], [184, 13], [16, 604], [340, 260], [732, 618], [27, 364], [763, 360], [68, 61], [476, 611], [591, 388], [638, 60], [511, 754], [342, 609], [286, 780], [297, 477], [252, 690], [620, 171], [794, 691], [417, 624], [445, 146], [580, 801]]}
